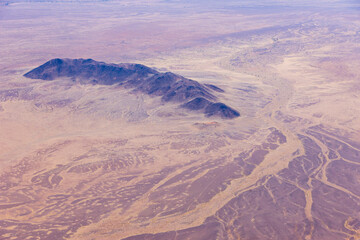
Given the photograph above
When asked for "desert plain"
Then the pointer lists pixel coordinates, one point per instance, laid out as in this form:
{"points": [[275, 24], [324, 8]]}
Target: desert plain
{"points": [[89, 161]]}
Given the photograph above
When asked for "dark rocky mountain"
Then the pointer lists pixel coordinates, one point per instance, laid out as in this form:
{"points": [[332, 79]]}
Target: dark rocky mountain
{"points": [[220, 109], [197, 104], [90, 71], [210, 108], [140, 78]]}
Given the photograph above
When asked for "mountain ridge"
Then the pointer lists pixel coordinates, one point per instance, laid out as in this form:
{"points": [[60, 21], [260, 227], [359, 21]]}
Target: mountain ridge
{"points": [[171, 87]]}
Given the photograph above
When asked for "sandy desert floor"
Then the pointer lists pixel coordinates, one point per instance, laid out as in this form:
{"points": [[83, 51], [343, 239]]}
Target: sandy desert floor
{"points": [[99, 162]]}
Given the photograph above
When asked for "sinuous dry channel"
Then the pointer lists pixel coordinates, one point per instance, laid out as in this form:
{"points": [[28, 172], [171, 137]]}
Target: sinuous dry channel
{"points": [[162, 155]]}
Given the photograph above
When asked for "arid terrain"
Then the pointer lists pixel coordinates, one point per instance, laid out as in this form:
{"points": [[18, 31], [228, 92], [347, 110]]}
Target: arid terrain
{"points": [[82, 161]]}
